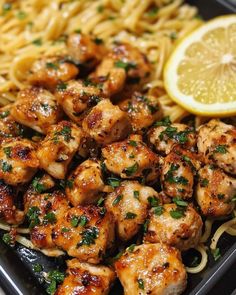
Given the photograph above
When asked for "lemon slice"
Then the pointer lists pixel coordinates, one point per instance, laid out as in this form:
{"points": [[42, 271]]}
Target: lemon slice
{"points": [[200, 75]]}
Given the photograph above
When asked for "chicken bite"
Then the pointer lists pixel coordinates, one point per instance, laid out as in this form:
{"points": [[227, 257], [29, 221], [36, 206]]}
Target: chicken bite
{"points": [[85, 183], [58, 148], [178, 171], [87, 279], [143, 110], [36, 108], [43, 212], [85, 233], [131, 158], [165, 135], [85, 50], [152, 269], [178, 226], [51, 72], [18, 161], [215, 191], [217, 142], [106, 123], [77, 98], [8, 211], [129, 205]]}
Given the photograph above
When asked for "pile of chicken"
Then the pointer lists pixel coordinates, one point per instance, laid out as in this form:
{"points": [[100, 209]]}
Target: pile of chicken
{"points": [[89, 105]]}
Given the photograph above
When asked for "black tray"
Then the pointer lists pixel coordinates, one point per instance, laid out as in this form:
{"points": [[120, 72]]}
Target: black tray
{"points": [[17, 276]]}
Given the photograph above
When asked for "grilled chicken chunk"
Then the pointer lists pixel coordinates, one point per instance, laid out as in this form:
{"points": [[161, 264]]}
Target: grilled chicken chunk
{"points": [[77, 99], [131, 158], [18, 161], [174, 225], [123, 63], [215, 191], [8, 211], [129, 205], [52, 71], [58, 148], [86, 279], [8, 126], [43, 212], [178, 171], [85, 233], [165, 135], [36, 108], [217, 142], [85, 183], [106, 123], [152, 269], [143, 110]]}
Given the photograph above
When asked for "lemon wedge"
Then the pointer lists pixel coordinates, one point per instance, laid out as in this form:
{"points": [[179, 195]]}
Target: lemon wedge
{"points": [[200, 74]]}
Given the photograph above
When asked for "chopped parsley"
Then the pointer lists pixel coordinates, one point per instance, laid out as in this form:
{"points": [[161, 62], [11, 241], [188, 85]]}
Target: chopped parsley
{"points": [[83, 220], [221, 149], [136, 195], [55, 277], [180, 202], [100, 202], [145, 225], [171, 132], [6, 7], [117, 200], [177, 213], [164, 122], [88, 236], [100, 8], [6, 167], [7, 239], [37, 267], [21, 15], [158, 210], [51, 65], [33, 216], [153, 12], [65, 230], [4, 114], [114, 182], [98, 41], [37, 42], [125, 65], [141, 284], [70, 183], [50, 217], [74, 221], [7, 151], [65, 132], [39, 187], [169, 177], [131, 170], [133, 143], [220, 196], [130, 215], [131, 248], [216, 253], [153, 201], [62, 86], [173, 36]]}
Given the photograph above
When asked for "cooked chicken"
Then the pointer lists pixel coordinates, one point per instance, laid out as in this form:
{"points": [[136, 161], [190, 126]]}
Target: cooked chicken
{"points": [[131, 158], [86, 279], [106, 123], [85, 233], [217, 142], [215, 191], [43, 211], [18, 161], [178, 226], [85, 184], [8, 211], [152, 269], [178, 171], [85, 50], [124, 63], [36, 108], [129, 205], [165, 135], [58, 148], [8, 126], [143, 110], [77, 98], [52, 71]]}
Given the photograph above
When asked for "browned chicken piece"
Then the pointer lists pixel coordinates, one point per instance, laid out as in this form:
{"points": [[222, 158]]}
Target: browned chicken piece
{"points": [[77, 98], [215, 191], [8, 211], [123, 63], [152, 269], [143, 110], [85, 50], [85, 184], [217, 142], [129, 205], [8, 126], [106, 123], [85, 232], [43, 211], [86, 279], [131, 158], [36, 108], [18, 161], [165, 135], [178, 226], [51, 72], [58, 148], [178, 171]]}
